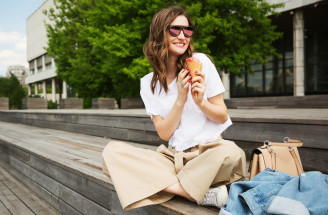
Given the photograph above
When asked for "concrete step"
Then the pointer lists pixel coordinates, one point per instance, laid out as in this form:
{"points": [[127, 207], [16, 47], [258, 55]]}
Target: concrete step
{"points": [[64, 169]]}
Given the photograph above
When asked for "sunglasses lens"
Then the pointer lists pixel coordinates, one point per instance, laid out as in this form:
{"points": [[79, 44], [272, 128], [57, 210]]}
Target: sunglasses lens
{"points": [[175, 30], [188, 31]]}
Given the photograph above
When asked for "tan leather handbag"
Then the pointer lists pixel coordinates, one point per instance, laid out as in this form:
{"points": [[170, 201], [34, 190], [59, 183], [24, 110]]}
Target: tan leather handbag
{"points": [[277, 156]]}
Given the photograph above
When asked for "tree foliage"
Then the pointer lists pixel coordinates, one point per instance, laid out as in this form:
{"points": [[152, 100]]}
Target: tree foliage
{"points": [[97, 44], [11, 88]]}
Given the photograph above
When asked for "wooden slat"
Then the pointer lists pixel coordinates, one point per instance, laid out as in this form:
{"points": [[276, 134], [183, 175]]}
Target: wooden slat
{"points": [[313, 136], [11, 202], [134, 135], [309, 101], [88, 182], [55, 202], [3, 209], [79, 202], [74, 160], [34, 203]]}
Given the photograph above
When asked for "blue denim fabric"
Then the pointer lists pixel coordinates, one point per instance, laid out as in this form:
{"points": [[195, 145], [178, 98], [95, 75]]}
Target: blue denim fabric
{"points": [[310, 189], [256, 196], [262, 187]]}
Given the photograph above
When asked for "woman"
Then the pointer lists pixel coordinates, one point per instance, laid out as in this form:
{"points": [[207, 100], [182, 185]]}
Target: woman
{"points": [[197, 156]]}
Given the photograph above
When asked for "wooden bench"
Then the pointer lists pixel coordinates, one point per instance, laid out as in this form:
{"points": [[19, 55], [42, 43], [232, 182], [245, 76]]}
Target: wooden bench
{"points": [[251, 127], [308, 101], [65, 169], [16, 198]]}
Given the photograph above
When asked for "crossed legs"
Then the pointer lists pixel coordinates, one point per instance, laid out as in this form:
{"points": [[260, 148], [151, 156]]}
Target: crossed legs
{"points": [[177, 189]]}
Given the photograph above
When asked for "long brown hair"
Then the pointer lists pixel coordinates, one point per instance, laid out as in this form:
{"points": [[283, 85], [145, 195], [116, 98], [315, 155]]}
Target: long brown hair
{"points": [[156, 49]]}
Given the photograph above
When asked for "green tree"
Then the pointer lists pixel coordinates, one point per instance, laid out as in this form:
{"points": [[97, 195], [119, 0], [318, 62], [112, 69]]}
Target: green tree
{"points": [[97, 44], [234, 32], [11, 88]]}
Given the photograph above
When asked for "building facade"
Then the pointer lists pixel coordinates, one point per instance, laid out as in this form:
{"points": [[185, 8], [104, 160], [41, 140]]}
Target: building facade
{"points": [[302, 68], [42, 68], [19, 71]]}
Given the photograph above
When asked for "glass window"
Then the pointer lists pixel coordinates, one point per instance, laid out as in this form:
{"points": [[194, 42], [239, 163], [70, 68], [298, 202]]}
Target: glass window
{"points": [[289, 63], [48, 65], [276, 76], [238, 85], [289, 80], [316, 52], [269, 82], [255, 83]]}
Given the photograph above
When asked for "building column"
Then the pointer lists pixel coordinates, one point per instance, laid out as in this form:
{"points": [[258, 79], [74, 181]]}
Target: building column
{"points": [[53, 90], [44, 89], [226, 84], [35, 66], [36, 90], [43, 63], [64, 96], [298, 23], [29, 90], [53, 62]]}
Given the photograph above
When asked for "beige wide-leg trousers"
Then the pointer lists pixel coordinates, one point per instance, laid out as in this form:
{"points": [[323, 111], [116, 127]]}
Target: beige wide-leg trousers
{"points": [[139, 175]]}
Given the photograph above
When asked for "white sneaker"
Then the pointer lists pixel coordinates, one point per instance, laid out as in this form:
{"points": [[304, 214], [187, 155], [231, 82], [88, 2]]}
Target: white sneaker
{"points": [[217, 196]]}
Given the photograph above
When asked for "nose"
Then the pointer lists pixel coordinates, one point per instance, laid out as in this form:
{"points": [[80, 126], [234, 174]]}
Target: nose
{"points": [[181, 35]]}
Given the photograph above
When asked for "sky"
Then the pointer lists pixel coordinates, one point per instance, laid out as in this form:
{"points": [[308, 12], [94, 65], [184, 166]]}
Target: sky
{"points": [[13, 15]]}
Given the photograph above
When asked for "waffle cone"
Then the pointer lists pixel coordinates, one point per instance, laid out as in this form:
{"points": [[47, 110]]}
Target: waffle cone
{"points": [[194, 65]]}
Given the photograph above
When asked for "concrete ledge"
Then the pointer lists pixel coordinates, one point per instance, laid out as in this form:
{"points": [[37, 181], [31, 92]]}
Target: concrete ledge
{"points": [[71, 103], [34, 103], [4, 103]]}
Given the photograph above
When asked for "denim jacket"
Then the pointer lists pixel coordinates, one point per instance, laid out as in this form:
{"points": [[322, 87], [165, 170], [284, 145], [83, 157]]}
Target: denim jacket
{"points": [[274, 192]]}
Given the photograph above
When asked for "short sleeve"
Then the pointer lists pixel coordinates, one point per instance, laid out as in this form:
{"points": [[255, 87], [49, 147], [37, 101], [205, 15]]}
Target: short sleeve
{"points": [[147, 95], [213, 81]]}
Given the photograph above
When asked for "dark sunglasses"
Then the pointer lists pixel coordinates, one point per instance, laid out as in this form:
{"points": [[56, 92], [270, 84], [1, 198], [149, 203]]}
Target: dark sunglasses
{"points": [[175, 30]]}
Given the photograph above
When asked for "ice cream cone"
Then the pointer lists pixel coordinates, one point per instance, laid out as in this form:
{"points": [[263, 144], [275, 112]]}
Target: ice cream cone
{"points": [[194, 65]]}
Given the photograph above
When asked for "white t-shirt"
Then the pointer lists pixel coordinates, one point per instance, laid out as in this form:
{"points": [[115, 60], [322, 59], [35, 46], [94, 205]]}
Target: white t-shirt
{"points": [[194, 128]]}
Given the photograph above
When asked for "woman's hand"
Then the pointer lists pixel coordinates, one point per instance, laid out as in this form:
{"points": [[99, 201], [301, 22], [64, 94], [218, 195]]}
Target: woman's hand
{"points": [[183, 86], [165, 127], [198, 85], [214, 108]]}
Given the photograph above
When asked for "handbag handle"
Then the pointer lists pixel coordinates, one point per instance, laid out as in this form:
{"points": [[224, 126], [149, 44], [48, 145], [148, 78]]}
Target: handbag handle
{"points": [[287, 142], [296, 160]]}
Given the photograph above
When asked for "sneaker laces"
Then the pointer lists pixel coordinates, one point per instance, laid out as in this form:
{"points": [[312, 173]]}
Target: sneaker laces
{"points": [[210, 197], [215, 197]]}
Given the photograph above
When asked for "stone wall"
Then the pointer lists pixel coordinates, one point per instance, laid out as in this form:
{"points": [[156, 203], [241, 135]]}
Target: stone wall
{"points": [[34, 103], [71, 103], [4, 103], [103, 103]]}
